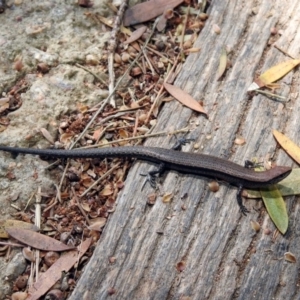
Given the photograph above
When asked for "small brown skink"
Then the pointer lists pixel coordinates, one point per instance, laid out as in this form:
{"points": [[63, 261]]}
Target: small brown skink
{"points": [[185, 162]]}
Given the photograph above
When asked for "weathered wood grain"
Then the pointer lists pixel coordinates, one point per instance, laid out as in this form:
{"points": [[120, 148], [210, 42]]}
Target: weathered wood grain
{"points": [[224, 258]]}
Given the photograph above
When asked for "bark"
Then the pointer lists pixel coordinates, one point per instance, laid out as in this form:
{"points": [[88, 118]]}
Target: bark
{"points": [[220, 254]]}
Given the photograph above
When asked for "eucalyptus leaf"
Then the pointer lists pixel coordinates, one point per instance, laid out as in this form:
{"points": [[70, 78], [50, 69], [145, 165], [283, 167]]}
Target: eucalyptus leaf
{"points": [[276, 207]]}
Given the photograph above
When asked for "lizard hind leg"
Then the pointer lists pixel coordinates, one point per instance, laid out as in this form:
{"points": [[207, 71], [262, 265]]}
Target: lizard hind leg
{"points": [[239, 198]]}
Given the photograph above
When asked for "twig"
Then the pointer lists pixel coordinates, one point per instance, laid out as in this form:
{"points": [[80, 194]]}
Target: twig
{"points": [[78, 254], [55, 201], [148, 133], [111, 49], [116, 86], [136, 123], [95, 75], [58, 196], [149, 48], [21, 89], [38, 224], [184, 27], [186, 129], [103, 131], [29, 201], [11, 244], [149, 62], [117, 115], [112, 7], [100, 179], [38, 208], [80, 207], [284, 52], [15, 207], [161, 90], [272, 95]]}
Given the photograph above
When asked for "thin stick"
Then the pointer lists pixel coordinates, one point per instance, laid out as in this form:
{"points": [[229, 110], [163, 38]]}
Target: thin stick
{"points": [[21, 89], [95, 75], [149, 63], [11, 244], [186, 129], [111, 48], [38, 224], [58, 196], [272, 95], [284, 52], [29, 201], [159, 54], [100, 179], [184, 28], [161, 90], [80, 207], [117, 115], [50, 206]]}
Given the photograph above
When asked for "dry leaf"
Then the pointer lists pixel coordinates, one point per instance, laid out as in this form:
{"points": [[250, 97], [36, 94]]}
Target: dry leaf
{"points": [[4, 105], [19, 296], [184, 97], [98, 133], [146, 11], [47, 135], [273, 74], [65, 138], [37, 240], [83, 108], [107, 190], [222, 64], [123, 134], [28, 254], [255, 226], [97, 223], [86, 207], [4, 101], [136, 35], [47, 279], [290, 257], [4, 224], [162, 22], [278, 71], [167, 198], [86, 180], [288, 145], [105, 21], [91, 173], [192, 50]]}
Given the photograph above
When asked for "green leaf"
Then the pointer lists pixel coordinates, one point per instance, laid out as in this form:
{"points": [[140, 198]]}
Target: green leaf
{"points": [[276, 208]]}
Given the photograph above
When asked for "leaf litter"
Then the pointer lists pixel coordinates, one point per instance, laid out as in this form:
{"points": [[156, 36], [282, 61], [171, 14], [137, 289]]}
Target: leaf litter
{"points": [[143, 61]]}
